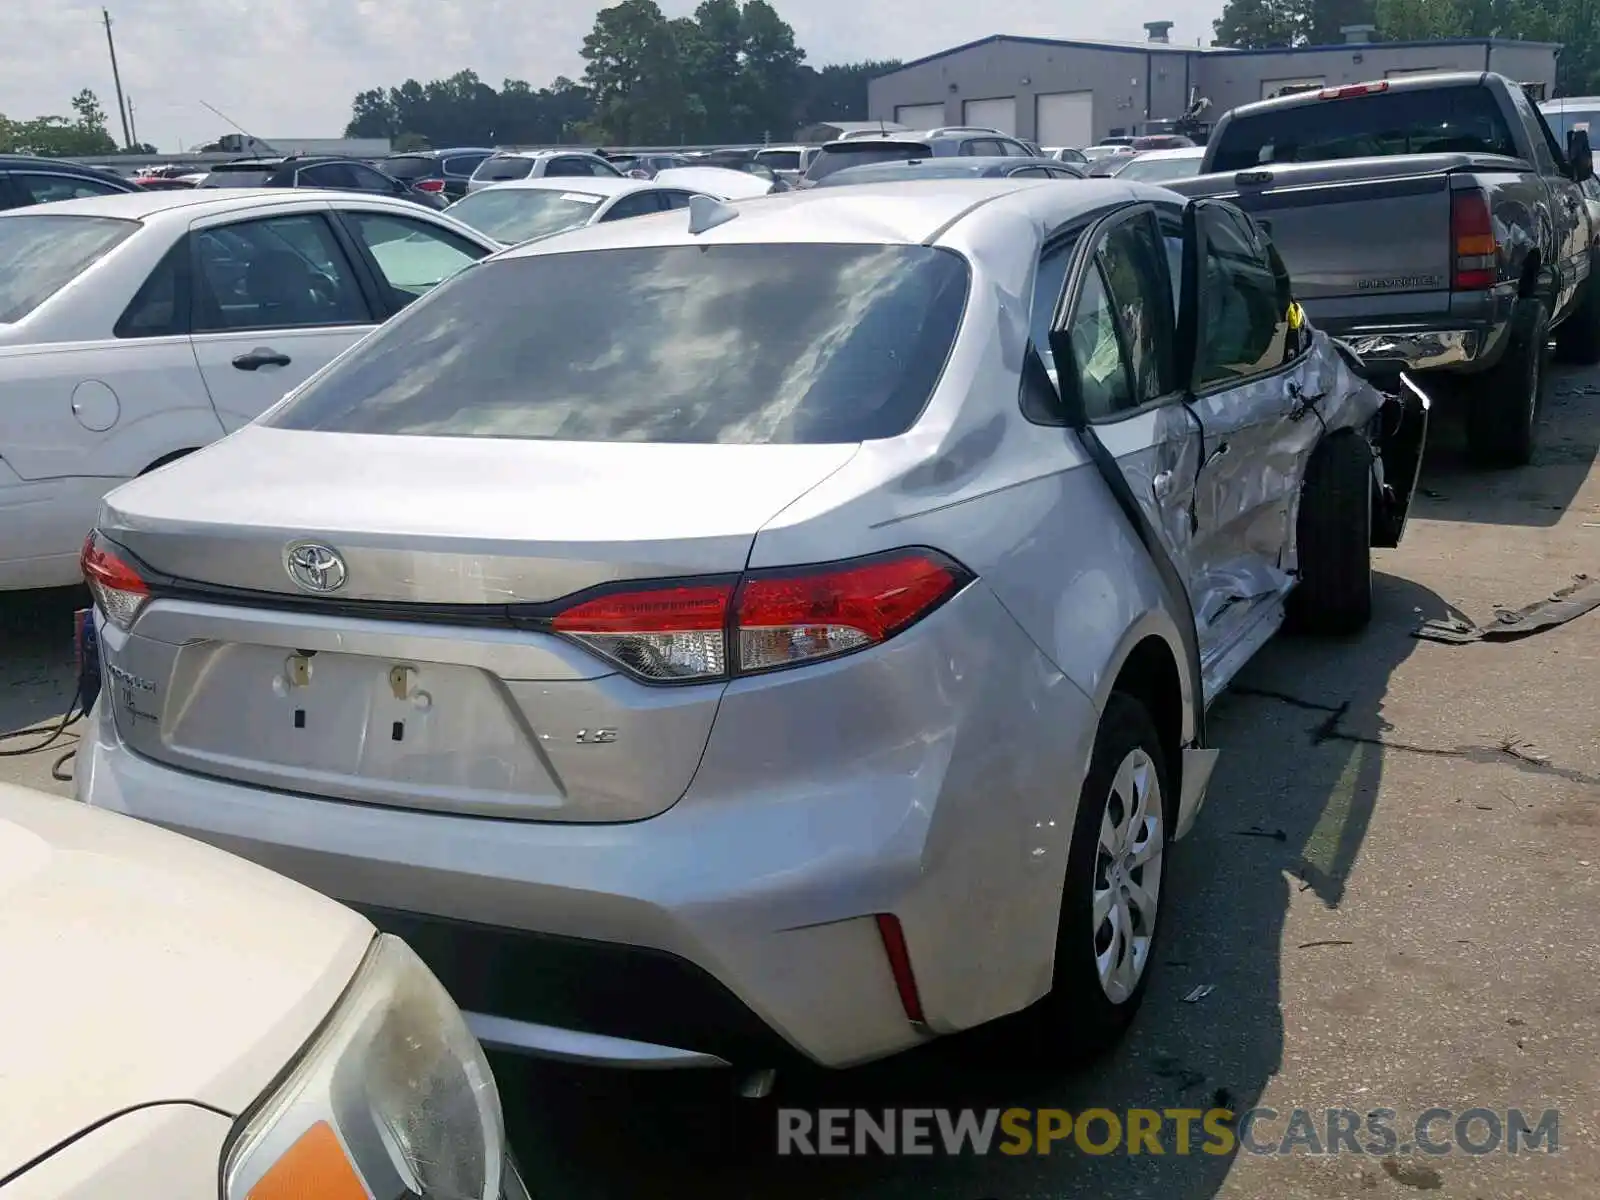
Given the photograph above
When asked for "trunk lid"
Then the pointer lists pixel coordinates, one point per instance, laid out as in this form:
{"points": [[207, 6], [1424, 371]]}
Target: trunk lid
{"points": [[1319, 215], [407, 686]]}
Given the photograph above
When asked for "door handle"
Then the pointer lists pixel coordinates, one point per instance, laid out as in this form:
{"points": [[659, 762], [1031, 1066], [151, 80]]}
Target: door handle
{"points": [[1161, 485], [261, 356]]}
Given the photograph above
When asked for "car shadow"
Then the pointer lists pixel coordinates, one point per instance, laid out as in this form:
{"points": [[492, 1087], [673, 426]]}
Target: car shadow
{"points": [[1566, 446], [1288, 809]]}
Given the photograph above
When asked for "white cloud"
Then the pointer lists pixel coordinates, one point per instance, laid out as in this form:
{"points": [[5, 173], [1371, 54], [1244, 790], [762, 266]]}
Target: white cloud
{"points": [[288, 68]]}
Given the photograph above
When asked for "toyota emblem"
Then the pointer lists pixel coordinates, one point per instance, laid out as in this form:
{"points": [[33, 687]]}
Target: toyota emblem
{"points": [[315, 567]]}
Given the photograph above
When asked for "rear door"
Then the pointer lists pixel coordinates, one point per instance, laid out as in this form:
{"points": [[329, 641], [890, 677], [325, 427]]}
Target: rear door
{"points": [[274, 300]]}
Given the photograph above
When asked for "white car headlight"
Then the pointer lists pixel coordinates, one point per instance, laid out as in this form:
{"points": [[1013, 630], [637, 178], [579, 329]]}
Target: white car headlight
{"points": [[393, 1098]]}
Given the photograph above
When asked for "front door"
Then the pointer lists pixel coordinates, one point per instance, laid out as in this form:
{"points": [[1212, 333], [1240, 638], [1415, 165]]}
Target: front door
{"points": [[275, 299], [1116, 333]]}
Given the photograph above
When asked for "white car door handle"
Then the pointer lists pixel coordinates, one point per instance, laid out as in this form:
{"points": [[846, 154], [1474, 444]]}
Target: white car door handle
{"points": [[1161, 485]]}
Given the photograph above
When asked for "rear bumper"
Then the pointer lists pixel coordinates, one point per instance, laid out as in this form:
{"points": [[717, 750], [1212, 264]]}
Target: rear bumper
{"points": [[935, 780], [1463, 342]]}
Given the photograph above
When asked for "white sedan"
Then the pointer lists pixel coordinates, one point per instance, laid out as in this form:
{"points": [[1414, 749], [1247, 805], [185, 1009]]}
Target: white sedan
{"points": [[179, 1019], [136, 328], [523, 209]]}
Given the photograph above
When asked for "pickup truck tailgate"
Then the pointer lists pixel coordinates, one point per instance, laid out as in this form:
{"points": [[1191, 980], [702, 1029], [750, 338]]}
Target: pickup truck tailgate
{"points": [[1365, 236]]}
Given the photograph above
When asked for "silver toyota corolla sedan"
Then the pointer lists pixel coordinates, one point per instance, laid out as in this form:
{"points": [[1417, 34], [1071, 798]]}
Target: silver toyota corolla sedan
{"points": [[772, 629]]}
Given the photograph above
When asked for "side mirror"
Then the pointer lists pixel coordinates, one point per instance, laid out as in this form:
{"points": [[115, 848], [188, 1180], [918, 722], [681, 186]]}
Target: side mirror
{"points": [[1579, 155]]}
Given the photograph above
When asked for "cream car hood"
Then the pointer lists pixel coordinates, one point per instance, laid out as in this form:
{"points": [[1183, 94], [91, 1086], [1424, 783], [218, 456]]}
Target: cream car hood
{"points": [[140, 966]]}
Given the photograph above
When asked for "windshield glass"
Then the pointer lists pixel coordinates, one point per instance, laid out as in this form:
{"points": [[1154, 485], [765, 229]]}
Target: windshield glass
{"points": [[1152, 170], [40, 255], [1430, 120], [837, 157], [780, 160], [517, 214], [499, 169], [893, 172], [707, 344]]}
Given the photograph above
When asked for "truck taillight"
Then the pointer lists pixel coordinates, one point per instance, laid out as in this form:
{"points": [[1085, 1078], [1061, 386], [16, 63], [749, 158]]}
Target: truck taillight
{"points": [[705, 629], [429, 185], [1472, 235], [118, 590]]}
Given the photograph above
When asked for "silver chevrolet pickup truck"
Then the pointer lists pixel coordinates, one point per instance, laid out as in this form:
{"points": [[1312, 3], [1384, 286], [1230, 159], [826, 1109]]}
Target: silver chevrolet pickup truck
{"points": [[1435, 224]]}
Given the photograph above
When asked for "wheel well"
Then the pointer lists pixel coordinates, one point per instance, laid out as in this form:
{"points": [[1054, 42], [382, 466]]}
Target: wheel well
{"points": [[167, 458], [1150, 676]]}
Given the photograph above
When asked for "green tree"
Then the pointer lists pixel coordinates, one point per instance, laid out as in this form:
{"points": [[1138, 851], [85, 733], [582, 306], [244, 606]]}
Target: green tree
{"points": [[81, 135], [1421, 20], [770, 70], [837, 92], [1252, 24], [635, 74], [372, 115]]}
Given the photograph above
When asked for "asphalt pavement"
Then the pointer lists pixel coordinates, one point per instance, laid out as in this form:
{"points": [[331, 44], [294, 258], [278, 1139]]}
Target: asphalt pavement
{"points": [[1391, 895]]}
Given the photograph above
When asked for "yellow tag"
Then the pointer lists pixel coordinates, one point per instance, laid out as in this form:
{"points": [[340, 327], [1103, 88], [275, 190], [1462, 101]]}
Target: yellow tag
{"points": [[1297, 315]]}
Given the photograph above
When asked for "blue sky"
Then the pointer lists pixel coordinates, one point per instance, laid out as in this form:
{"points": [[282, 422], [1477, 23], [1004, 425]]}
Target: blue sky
{"points": [[288, 68]]}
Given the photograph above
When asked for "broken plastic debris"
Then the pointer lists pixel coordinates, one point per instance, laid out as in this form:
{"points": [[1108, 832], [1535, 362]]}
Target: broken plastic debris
{"points": [[1571, 602], [1200, 993]]}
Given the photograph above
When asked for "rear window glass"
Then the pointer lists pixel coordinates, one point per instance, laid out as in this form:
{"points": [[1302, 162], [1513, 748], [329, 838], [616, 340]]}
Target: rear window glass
{"points": [[498, 169], [517, 214], [892, 172], [226, 176], [705, 344], [1153, 170], [837, 157], [409, 168], [780, 160], [1436, 120], [40, 255]]}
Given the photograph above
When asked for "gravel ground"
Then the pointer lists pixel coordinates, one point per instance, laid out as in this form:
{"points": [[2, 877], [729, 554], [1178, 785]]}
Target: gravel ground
{"points": [[1391, 892]]}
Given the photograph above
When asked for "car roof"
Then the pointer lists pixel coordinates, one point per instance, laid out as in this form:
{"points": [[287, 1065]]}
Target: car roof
{"points": [[898, 213], [547, 153], [594, 185], [967, 164], [1173, 152], [449, 150], [196, 202], [60, 165]]}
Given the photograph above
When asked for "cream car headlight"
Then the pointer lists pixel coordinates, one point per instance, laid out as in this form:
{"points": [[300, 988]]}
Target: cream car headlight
{"points": [[393, 1098]]}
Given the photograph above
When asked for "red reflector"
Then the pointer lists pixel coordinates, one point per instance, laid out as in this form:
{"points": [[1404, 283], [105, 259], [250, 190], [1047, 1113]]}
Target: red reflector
{"points": [[429, 185], [894, 946]]}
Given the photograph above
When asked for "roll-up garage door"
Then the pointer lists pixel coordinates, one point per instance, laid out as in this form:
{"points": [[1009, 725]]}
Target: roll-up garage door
{"points": [[1065, 119], [920, 116], [998, 114]]}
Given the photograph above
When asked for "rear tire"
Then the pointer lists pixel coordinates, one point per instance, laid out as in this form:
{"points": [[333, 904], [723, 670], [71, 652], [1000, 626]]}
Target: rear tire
{"points": [[1112, 901], [1334, 538], [1578, 338], [1506, 399]]}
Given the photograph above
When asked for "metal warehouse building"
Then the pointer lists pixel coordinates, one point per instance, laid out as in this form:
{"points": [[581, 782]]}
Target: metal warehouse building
{"points": [[1072, 93]]}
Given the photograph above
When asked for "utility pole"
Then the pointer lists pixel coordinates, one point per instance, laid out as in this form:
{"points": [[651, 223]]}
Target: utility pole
{"points": [[116, 77]]}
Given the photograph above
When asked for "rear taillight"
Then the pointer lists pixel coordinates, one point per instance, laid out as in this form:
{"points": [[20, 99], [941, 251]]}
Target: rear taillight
{"points": [[118, 590], [429, 185], [702, 630], [1472, 236], [1353, 89]]}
